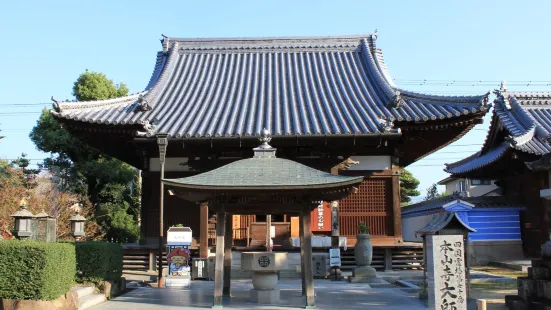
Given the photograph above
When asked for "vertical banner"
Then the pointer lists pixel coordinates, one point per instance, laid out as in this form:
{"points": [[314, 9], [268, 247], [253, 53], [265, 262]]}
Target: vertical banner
{"points": [[320, 218], [446, 272]]}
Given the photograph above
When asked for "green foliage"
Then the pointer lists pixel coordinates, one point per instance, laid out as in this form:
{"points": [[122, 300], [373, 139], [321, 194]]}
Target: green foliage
{"points": [[120, 226], [36, 270], [98, 261], [432, 192], [96, 86], [408, 186], [83, 170], [363, 228]]}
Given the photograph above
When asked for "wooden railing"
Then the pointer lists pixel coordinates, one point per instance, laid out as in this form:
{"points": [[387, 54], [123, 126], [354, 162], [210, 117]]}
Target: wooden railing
{"points": [[240, 237]]}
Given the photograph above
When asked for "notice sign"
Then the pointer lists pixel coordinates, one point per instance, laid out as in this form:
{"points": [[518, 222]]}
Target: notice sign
{"points": [[446, 272], [335, 257], [321, 218]]}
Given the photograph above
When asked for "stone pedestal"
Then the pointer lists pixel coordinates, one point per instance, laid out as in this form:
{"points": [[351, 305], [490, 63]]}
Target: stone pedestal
{"points": [[177, 281], [264, 266], [363, 274], [534, 291]]}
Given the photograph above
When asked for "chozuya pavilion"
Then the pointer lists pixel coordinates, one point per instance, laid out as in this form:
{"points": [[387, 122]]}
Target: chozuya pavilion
{"points": [[263, 184], [326, 100]]}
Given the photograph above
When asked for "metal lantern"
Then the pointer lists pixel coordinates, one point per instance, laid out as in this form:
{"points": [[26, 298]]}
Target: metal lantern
{"points": [[77, 226], [22, 222]]}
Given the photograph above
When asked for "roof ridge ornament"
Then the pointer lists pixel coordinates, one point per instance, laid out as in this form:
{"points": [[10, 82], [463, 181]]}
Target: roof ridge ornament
{"points": [[397, 101], [265, 150], [143, 104]]}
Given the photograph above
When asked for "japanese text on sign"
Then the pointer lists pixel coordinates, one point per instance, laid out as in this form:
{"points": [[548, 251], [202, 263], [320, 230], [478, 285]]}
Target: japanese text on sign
{"points": [[446, 272]]}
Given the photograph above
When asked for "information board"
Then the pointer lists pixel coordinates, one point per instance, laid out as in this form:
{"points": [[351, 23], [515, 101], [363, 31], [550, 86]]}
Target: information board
{"points": [[335, 257]]}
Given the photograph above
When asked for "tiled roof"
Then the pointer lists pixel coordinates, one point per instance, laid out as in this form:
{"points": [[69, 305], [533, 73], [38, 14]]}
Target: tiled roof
{"points": [[526, 119], [263, 173], [439, 222], [478, 202], [291, 86]]}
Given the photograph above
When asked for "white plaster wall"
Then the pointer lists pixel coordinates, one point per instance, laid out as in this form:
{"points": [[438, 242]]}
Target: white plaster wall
{"points": [[412, 224], [371, 163], [171, 164], [479, 190]]}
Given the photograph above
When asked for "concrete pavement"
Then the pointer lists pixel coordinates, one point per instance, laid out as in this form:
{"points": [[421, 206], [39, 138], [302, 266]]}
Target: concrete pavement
{"points": [[329, 295]]}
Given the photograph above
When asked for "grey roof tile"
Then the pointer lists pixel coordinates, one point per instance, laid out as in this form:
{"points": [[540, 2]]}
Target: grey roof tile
{"points": [[526, 118], [263, 173], [291, 86]]}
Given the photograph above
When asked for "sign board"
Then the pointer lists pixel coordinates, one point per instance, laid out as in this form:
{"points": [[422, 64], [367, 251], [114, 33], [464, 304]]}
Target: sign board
{"points": [[178, 236], [335, 257], [177, 249], [272, 232], [446, 272], [320, 218]]}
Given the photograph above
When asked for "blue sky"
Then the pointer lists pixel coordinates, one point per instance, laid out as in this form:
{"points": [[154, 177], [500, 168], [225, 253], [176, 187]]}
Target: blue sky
{"points": [[46, 45]]}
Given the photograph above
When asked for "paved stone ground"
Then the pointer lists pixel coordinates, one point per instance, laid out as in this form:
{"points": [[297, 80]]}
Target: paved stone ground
{"points": [[329, 295]]}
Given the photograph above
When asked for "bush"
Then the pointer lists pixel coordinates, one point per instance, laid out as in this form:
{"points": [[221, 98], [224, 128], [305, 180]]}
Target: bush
{"points": [[36, 270], [98, 261]]}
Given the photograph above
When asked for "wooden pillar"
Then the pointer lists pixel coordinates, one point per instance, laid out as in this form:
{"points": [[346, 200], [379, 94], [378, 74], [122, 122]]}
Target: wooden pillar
{"points": [[228, 242], [306, 253], [301, 236], [396, 210], [204, 230], [219, 265], [268, 232]]}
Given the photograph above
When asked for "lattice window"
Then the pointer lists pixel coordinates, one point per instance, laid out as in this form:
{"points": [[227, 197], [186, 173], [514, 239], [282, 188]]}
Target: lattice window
{"points": [[372, 196], [372, 204]]}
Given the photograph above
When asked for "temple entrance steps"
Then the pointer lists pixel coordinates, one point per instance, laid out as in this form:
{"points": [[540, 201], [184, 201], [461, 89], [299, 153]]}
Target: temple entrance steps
{"points": [[139, 260], [87, 297], [387, 258]]}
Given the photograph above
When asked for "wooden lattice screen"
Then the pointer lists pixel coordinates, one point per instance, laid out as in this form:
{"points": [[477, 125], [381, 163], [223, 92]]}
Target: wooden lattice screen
{"points": [[372, 204]]}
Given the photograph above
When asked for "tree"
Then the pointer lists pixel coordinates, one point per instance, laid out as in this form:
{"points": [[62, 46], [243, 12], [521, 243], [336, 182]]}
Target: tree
{"points": [[432, 192], [408, 186], [96, 86], [82, 170]]}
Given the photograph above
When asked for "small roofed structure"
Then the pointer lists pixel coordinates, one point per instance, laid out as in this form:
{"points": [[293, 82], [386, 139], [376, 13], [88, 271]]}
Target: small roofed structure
{"points": [[263, 184], [448, 223], [496, 220], [516, 153]]}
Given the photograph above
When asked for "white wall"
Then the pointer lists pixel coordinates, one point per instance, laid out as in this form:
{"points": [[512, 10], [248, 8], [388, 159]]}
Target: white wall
{"points": [[371, 163], [412, 224]]}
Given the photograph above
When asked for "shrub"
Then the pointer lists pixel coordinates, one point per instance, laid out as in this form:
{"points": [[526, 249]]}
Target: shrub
{"points": [[98, 261], [35, 270]]}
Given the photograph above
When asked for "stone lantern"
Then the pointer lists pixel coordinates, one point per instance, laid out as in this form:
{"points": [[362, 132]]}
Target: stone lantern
{"points": [[77, 226], [22, 222], [45, 227]]}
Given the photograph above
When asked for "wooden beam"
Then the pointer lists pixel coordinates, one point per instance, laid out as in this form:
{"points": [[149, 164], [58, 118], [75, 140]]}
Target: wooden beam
{"points": [[306, 251], [204, 231], [228, 239], [219, 265], [396, 209]]}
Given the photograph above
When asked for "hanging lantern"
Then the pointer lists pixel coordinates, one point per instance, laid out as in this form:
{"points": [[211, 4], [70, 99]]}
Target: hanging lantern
{"points": [[77, 226], [22, 221]]}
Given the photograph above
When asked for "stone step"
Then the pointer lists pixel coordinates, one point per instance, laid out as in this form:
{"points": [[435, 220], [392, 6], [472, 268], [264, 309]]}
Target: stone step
{"points": [[83, 291], [90, 301]]}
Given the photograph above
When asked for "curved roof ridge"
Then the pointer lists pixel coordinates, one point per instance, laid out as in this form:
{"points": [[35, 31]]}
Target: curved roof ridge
{"points": [[275, 38], [61, 106], [462, 161], [157, 70], [166, 71], [472, 163], [381, 64], [472, 99], [393, 95]]}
